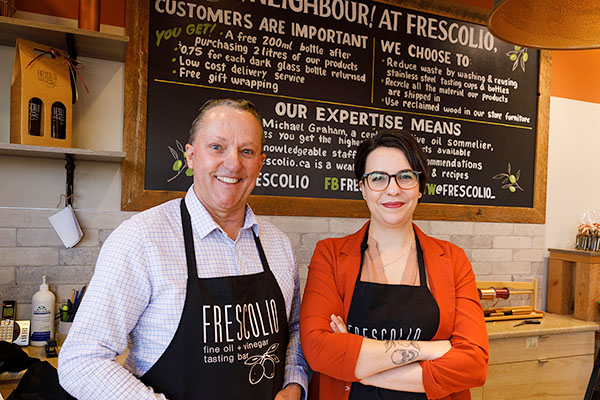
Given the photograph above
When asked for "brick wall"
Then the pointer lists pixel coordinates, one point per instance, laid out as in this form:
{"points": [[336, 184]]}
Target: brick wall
{"points": [[29, 248]]}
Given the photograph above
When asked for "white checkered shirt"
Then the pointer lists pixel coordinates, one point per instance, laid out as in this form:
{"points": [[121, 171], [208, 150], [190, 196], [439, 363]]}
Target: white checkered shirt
{"points": [[138, 289]]}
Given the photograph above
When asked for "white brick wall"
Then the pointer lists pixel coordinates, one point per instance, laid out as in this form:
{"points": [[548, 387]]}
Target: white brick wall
{"points": [[29, 248]]}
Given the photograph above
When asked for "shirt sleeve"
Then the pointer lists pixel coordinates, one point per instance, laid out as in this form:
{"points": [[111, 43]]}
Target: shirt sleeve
{"points": [[333, 354], [114, 300], [296, 368], [465, 365]]}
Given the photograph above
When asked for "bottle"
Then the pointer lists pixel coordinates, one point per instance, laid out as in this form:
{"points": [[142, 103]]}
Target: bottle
{"points": [[59, 121], [42, 315], [35, 116]]}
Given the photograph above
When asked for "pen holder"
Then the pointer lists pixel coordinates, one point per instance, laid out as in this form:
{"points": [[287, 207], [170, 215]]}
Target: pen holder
{"points": [[63, 331]]}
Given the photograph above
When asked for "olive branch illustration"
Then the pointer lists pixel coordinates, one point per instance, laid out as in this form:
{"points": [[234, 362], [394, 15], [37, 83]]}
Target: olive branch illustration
{"points": [[263, 366], [519, 55], [180, 165], [510, 181]]}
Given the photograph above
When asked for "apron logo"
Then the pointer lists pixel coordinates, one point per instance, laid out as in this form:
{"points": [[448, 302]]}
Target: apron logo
{"points": [[263, 366]]}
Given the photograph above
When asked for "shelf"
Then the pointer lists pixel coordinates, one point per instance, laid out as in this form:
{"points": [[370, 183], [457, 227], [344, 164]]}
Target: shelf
{"points": [[88, 43], [24, 150]]}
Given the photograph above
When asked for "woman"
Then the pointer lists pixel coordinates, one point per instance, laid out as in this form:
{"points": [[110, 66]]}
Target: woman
{"points": [[389, 312]]}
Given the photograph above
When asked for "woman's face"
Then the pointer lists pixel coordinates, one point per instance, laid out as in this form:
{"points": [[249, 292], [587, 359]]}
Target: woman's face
{"points": [[392, 207]]}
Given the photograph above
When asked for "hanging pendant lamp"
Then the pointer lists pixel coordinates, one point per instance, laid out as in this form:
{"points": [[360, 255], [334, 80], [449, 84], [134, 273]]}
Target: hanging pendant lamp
{"points": [[547, 24]]}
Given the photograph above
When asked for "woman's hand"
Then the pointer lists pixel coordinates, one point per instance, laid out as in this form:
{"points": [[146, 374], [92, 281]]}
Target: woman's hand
{"points": [[337, 324]]}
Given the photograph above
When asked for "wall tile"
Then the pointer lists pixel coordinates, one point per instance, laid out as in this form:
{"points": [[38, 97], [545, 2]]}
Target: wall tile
{"points": [[89, 238], [20, 293], [511, 267], [301, 224], [7, 276], [37, 237], [495, 277], [25, 218], [472, 241], [309, 240], [491, 255], [78, 256], [8, 237], [511, 242], [102, 219], [530, 229], [56, 275], [450, 228], [43, 256], [492, 228], [345, 226], [482, 268], [533, 255]]}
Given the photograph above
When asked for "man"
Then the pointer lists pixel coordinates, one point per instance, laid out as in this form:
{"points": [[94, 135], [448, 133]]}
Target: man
{"points": [[210, 309]]}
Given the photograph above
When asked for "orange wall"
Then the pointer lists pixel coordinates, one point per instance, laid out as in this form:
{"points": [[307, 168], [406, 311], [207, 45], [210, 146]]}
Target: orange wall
{"points": [[575, 74]]}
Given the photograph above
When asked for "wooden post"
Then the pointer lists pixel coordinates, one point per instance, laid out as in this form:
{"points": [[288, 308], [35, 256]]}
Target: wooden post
{"points": [[560, 286]]}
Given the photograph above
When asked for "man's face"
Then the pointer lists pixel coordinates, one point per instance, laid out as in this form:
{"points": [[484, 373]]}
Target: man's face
{"points": [[226, 158]]}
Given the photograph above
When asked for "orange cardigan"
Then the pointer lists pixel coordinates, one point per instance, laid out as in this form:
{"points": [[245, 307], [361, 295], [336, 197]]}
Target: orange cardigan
{"points": [[331, 278]]}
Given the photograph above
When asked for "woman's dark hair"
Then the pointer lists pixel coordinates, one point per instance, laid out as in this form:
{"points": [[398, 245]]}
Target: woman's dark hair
{"points": [[400, 140], [237, 104]]}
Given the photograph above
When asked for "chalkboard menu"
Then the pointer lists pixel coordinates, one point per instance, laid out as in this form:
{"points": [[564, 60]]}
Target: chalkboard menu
{"points": [[326, 75]]}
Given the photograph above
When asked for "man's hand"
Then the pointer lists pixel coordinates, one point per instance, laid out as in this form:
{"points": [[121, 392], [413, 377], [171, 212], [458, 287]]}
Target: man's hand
{"points": [[293, 391], [337, 324]]}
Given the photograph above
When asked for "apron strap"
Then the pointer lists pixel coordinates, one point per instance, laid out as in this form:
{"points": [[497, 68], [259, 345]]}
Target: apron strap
{"points": [[421, 261], [261, 252], [188, 239]]}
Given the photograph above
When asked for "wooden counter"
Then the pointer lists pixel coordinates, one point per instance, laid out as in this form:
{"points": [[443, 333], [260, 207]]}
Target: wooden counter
{"points": [[552, 360]]}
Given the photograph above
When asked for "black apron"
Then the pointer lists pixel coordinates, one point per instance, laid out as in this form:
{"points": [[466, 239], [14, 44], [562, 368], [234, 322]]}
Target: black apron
{"points": [[231, 340], [392, 312]]}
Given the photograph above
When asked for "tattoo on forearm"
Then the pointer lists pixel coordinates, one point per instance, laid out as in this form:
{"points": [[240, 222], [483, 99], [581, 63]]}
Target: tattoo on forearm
{"points": [[403, 352]]}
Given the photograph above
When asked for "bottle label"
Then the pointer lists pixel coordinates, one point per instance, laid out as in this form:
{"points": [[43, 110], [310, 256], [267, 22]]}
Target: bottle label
{"points": [[58, 114], [40, 336], [34, 111]]}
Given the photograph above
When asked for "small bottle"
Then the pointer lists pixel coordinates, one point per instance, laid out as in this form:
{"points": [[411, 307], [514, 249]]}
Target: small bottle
{"points": [[59, 121], [42, 315], [35, 116]]}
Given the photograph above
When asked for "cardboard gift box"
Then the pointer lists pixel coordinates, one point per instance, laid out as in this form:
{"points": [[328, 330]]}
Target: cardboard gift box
{"points": [[40, 96]]}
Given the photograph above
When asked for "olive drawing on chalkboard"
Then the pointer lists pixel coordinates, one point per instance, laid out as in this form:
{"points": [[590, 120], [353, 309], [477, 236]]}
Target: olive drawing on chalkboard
{"points": [[510, 181], [519, 55], [180, 165]]}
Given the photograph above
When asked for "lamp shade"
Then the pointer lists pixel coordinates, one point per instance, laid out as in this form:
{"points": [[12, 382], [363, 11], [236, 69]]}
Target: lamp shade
{"points": [[547, 24]]}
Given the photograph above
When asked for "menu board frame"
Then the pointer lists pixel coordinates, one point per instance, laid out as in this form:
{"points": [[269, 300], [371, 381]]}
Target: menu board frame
{"points": [[134, 196]]}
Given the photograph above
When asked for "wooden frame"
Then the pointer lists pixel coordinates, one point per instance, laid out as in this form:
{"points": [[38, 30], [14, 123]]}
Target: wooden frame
{"points": [[135, 197]]}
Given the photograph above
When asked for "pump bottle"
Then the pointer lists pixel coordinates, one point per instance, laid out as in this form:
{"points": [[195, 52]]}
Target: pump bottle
{"points": [[42, 315]]}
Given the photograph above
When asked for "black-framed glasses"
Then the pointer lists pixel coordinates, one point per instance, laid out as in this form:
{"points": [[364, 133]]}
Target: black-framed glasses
{"points": [[378, 180]]}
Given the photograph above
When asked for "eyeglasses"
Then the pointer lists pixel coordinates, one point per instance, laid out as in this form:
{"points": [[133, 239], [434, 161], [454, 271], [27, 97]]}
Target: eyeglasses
{"points": [[378, 181]]}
